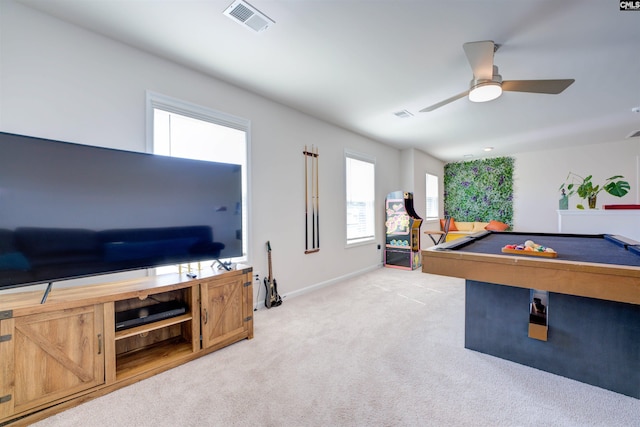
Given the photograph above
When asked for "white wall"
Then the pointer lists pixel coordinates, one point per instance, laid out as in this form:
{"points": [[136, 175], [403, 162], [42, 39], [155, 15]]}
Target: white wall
{"points": [[538, 175], [415, 165], [61, 82]]}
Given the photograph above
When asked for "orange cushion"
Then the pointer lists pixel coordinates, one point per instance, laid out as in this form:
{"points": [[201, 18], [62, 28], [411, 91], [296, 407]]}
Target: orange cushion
{"points": [[496, 226], [452, 225]]}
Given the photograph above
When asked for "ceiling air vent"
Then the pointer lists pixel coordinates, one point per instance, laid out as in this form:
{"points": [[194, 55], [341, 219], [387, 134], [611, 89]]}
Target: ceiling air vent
{"points": [[404, 114], [634, 134], [247, 15]]}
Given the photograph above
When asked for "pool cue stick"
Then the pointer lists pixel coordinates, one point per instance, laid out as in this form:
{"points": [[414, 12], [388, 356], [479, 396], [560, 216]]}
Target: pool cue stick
{"points": [[306, 203], [317, 160], [313, 205]]}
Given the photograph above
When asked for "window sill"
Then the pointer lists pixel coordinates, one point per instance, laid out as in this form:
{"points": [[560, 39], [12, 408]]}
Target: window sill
{"points": [[362, 242]]}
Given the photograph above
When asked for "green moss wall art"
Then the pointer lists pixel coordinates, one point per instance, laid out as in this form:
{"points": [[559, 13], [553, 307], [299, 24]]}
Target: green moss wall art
{"points": [[479, 190]]}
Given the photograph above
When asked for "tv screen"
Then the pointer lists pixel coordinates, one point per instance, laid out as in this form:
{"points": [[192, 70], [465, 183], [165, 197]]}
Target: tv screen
{"points": [[69, 210]]}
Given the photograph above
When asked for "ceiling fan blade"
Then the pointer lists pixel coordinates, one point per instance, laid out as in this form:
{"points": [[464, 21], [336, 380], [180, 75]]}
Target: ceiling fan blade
{"points": [[553, 87], [480, 57], [445, 102]]}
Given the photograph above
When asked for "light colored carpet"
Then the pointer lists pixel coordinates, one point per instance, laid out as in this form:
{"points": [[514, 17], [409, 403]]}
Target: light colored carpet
{"points": [[383, 349]]}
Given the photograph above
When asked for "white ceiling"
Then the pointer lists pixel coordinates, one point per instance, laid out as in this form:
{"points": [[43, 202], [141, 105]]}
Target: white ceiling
{"points": [[356, 62]]}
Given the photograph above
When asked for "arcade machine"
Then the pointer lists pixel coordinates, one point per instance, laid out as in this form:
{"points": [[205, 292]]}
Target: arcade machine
{"points": [[402, 249]]}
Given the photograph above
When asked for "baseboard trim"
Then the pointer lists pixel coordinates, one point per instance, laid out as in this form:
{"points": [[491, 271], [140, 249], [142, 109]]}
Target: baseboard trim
{"points": [[324, 284]]}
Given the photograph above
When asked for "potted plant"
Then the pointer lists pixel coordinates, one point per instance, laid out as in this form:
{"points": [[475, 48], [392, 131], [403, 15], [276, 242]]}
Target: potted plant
{"points": [[586, 190]]}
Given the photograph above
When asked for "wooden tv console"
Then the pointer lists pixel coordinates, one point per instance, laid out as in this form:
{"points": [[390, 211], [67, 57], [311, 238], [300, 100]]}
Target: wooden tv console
{"points": [[56, 355]]}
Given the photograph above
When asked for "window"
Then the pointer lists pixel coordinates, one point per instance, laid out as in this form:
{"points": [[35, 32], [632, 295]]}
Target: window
{"points": [[433, 208], [180, 129], [360, 192]]}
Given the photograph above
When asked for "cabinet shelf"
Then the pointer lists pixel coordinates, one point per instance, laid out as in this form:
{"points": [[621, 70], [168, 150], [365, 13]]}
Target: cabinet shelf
{"points": [[142, 360], [152, 326]]}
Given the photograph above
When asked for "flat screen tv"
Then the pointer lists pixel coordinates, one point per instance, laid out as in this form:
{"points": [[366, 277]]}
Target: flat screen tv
{"points": [[69, 210]]}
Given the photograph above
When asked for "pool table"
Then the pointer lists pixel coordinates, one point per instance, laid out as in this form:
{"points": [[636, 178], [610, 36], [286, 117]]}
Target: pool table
{"points": [[592, 311]]}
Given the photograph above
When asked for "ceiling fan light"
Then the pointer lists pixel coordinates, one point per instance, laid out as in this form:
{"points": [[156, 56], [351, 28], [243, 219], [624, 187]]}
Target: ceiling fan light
{"points": [[484, 92]]}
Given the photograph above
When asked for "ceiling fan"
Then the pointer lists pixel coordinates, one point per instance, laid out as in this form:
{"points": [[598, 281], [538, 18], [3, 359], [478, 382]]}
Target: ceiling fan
{"points": [[487, 83]]}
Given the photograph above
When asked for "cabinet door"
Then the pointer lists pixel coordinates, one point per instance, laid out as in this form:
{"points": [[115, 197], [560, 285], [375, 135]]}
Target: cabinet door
{"points": [[225, 317], [54, 355]]}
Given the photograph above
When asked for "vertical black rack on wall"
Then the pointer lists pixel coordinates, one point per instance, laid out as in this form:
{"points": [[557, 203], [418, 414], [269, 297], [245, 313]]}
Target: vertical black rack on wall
{"points": [[311, 201]]}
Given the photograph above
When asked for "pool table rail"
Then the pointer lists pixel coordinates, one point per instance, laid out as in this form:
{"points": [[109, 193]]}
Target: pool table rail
{"points": [[603, 281]]}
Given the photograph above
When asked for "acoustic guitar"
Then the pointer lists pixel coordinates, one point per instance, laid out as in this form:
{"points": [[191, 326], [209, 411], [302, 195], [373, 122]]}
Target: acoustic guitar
{"points": [[272, 298]]}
